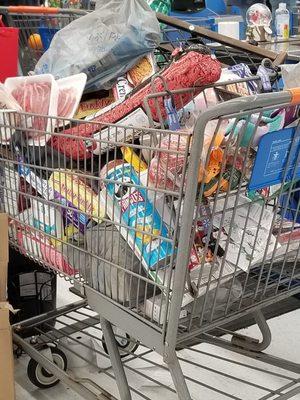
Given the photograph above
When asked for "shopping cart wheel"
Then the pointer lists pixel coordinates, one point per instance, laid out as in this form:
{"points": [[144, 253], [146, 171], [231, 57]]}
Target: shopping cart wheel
{"points": [[126, 343], [40, 377]]}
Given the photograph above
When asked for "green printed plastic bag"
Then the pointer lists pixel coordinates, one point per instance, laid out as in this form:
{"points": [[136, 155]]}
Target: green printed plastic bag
{"points": [[162, 6]]}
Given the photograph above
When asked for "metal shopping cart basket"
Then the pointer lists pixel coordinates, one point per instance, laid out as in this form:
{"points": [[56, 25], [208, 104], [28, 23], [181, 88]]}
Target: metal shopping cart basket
{"points": [[38, 25], [169, 234]]}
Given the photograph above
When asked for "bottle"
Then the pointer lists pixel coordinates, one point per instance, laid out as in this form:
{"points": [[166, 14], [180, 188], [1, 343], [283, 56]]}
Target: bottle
{"points": [[296, 18], [282, 20]]}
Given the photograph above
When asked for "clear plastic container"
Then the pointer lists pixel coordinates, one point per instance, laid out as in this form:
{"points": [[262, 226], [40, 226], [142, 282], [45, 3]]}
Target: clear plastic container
{"points": [[282, 21], [296, 19]]}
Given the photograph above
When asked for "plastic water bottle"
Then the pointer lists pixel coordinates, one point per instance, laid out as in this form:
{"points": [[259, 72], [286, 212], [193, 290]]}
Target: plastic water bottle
{"points": [[282, 20], [296, 18]]}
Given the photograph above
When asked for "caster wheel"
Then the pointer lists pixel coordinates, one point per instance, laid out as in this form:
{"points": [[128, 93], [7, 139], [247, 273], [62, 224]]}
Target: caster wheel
{"points": [[40, 377], [18, 351], [125, 343]]}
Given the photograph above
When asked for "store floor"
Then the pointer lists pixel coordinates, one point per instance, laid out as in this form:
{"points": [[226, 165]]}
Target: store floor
{"points": [[286, 335]]}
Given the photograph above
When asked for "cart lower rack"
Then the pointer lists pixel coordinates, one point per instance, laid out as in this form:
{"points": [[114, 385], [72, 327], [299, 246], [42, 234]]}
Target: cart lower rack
{"points": [[212, 371]]}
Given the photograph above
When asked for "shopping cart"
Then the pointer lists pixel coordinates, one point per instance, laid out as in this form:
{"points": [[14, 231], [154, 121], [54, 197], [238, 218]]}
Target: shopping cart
{"points": [[229, 51], [73, 223], [38, 25], [169, 251]]}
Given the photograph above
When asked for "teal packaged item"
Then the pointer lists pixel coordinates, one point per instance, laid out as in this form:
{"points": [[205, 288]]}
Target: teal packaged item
{"points": [[127, 203], [162, 6], [269, 121]]}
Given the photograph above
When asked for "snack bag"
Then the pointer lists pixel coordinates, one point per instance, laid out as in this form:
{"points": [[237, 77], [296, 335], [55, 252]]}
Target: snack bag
{"points": [[127, 202], [89, 107], [74, 190]]}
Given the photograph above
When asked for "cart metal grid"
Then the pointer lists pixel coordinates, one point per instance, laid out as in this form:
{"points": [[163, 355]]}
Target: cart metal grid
{"points": [[148, 377], [37, 26], [175, 33]]}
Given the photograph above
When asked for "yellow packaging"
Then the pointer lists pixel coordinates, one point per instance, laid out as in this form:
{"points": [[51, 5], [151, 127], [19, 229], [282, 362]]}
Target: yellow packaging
{"points": [[90, 107], [132, 158], [78, 193], [143, 70]]}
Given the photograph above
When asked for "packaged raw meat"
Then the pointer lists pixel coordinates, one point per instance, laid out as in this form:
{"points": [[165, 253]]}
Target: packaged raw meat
{"points": [[37, 94], [37, 245], [7, 103], [166, 168], [192, 68], [70, 92]]}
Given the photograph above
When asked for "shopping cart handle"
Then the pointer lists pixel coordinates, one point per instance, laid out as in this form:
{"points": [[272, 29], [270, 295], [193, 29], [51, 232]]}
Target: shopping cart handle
{"points": [[32, 10], [295, 95]]}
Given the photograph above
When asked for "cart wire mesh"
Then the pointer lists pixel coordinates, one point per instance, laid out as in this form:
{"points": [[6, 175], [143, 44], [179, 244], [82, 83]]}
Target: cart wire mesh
{"points": [[210, 372]]}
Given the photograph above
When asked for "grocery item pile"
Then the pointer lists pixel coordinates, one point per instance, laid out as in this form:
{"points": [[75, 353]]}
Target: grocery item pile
{"points": [[85, 193]]}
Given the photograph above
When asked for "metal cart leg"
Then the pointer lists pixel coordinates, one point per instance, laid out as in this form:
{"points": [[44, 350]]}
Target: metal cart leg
{"points": [[178, 378], [115, 359], [249, 343]]}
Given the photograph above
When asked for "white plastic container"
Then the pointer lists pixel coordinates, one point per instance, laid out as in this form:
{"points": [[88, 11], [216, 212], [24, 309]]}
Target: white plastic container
{"points": [[7, 103], [282, 21], [73, 85], [38, 138]]}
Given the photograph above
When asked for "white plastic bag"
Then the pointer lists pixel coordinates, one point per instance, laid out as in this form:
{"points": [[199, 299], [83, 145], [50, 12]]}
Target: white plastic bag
{"points": [[290, 75], [104, 44]]}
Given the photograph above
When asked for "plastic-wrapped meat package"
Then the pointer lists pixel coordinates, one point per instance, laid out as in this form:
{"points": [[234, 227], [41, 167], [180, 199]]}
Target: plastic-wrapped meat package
{"points": [[34, 98], [166, 167], [66, 102], [69, 95], [36, 95], [7, 102], [193, 68]]}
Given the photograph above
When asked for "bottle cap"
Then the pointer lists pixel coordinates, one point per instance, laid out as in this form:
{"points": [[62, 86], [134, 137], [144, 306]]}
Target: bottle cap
{"points": [[282, 6]]}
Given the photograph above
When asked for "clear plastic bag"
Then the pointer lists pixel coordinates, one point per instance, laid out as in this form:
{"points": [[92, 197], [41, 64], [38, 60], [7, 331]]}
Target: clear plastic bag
{"points": [[104, 44]]}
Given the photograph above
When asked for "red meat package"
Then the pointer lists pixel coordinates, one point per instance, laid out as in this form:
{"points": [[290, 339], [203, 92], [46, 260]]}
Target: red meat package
{"points": [[167, 166], [36, 95], [191, 69]]}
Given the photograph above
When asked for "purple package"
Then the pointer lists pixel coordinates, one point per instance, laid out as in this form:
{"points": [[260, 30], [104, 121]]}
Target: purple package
{"points": [[71, 215]]}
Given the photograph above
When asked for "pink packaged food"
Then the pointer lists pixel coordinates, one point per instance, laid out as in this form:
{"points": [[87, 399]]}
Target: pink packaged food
{"points": [[37, 94], [166, 167], [70, 92], [38, 245], [192, 68]]}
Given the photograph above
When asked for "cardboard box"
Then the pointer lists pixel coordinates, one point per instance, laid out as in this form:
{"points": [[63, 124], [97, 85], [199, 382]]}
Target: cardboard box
{"points": [[7, 390]]}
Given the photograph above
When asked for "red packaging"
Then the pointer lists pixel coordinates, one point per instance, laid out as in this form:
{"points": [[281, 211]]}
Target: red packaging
{"points": [[9, 49], [193, 68]]}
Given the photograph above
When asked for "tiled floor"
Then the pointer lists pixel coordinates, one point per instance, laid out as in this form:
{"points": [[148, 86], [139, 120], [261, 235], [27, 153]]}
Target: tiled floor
{"points": [[215, 376]]}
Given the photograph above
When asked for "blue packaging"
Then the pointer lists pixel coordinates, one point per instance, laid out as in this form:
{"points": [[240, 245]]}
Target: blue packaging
{"points": [[276, 159], [131, 205]]}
